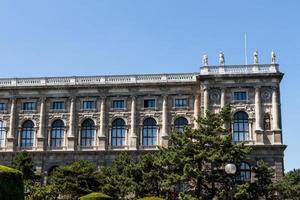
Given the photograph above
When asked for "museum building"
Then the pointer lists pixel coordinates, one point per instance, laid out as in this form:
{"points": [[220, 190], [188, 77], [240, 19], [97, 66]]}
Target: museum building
{"points": [[63, 119]]}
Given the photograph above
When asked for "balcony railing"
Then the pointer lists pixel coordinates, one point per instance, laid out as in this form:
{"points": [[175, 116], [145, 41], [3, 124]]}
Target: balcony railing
{"points": [[99, 80], [239, 69]]}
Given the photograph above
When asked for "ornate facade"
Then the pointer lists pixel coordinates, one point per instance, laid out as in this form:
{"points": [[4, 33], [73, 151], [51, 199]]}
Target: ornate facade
{"points": [[62, 119]]}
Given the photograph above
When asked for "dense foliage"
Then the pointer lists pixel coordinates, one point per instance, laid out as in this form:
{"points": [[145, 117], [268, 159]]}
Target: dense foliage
{"points": [[191, 168], [289, 186], [11, 184]]}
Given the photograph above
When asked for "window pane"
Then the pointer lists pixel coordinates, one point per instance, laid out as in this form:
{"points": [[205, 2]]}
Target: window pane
{"points": [[149, 132], [87, 133], [240, 96], [240, 126], [149, 103]]}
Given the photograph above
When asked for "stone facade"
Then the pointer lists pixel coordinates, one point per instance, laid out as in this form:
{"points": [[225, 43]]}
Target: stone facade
{"points": [[171, 96]]}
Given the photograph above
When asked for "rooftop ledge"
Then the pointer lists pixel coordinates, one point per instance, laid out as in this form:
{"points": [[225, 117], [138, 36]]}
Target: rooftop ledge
{"points": [[138, 78], [99, 80], [239, 69]]}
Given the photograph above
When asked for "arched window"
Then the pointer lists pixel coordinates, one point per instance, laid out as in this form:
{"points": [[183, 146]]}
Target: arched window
{"points": [[118, 132], [180, 123], [245, 172], [149, 132], [267, 122], [27, 134], [57, 133], [2, 134], [240, 126], [87, 133]]}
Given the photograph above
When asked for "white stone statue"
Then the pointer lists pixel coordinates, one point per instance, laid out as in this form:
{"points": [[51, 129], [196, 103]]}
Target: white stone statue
{"points": [[205, 60], [273, 57], [221, 58], [255, 57]]}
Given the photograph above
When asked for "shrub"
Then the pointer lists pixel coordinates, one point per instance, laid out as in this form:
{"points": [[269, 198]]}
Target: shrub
{"points": [[11, 184], [95, 196], [151, 198]]}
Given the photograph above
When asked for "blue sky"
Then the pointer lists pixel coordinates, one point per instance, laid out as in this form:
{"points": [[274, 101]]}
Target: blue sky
{"points": [[97, 37]]}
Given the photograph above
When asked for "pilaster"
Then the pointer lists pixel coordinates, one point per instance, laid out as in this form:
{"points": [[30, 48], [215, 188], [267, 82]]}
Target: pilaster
{"points": [[102, 136], [40, 136], [164, 130], [71, 134], [12, 120], [133, 135]]}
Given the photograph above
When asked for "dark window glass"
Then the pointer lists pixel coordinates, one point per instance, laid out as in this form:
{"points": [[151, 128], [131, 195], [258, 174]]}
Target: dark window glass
{"points": [[240, 126], [245, 172], [58, 105], [87, 133], [149, 132], [267, 122], [2, 106], [29, 106], [181, 102], [87, 105], [149, 103], [180, 123], [57, 133], [2, 134], [240, 96], [27, 134], [118, 104], [118, 132]]}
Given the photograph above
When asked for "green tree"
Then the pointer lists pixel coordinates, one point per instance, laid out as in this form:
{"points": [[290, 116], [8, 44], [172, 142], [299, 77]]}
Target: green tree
{"points": [[116, 179], [75, 180], [22, 161], [196, 159], [289, 185]]}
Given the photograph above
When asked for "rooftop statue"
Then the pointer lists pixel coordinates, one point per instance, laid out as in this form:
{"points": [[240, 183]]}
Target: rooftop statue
{"points": [[205, 60], [273, 57], [221, 58], [255, 57]]}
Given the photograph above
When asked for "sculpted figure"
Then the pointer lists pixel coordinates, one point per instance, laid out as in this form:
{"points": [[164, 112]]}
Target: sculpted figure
{"points": [[205, 60], [255, 57], [273, 57], [221, 58]]}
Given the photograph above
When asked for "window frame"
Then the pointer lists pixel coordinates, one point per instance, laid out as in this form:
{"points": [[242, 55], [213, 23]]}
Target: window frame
{"points": [[27, 131], [152, 132], [92, 102], [240, 127], [59, 132], [58, 102], [87, 134], [27, 108], [240, 100], [181, 105], [180, 127], [118, 133], [2, 134], [118, 101], [150, 99]]}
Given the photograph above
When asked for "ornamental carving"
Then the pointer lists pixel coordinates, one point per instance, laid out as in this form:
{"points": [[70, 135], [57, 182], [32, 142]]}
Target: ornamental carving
{"points": [[266, 94], [214, 96]]}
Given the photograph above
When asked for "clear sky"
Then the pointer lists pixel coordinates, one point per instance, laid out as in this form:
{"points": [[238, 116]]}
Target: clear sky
{"points": [[98, 37]]}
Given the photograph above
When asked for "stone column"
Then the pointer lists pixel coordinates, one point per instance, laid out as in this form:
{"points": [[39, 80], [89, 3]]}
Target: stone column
{"points": [[164, 130], [275, 109], [40, 135], [102, 136], [133, 135], [223, 97], [257, 109], [71, 135], [196, 110], [205, 100], [12, 121]]}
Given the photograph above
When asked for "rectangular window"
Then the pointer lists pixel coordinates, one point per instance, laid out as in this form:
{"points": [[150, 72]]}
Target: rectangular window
{"points": [[240, 96], [29, 106], [58, 105], [149, 103], [88, 105], [118, 104], [2, 106], [181, 102]]}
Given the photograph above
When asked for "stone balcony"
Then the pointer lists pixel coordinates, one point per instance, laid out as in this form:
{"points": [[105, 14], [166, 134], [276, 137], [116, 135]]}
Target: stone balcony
{"points": [[98, 80], [239, 69]]}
